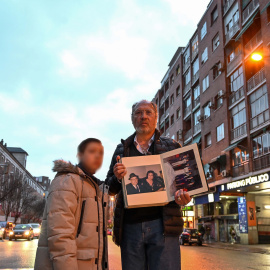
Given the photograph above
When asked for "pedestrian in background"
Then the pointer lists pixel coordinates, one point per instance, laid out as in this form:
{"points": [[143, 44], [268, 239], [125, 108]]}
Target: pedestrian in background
{"points": [[73, 233], [233, 234]]}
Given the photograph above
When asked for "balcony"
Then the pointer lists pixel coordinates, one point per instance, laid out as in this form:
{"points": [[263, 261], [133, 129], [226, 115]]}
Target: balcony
{"points": [[162, 118], [256, 80], [239, 131], [196, 102], [234, 29], [235, 96], [240, 169], [248, 11], [186, 89], [195, 77], [234, 63], [261, 162], [162, 101], [187, 135], [259, 119], [187, 111], [194, 53], [197, 128], [253, 43], [186, 65], [167, 94], [227, 6]]}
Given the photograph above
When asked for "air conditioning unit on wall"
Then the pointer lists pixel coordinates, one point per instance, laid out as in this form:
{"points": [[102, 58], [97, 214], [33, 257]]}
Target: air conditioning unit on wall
{"points": [[224, 173]]}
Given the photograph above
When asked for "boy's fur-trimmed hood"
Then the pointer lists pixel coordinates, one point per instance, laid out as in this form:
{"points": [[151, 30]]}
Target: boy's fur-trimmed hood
{"points": [[62, 166]]}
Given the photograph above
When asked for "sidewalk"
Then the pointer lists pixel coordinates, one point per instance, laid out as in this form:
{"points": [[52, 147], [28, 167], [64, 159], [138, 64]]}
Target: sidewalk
{"points": [[263, 249]]}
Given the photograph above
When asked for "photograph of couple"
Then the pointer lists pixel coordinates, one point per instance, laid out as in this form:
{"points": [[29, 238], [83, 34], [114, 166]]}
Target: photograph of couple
{"points": [[141, 182]]}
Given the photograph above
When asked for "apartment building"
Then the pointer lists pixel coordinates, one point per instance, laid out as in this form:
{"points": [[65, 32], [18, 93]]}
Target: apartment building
{"points": [[216, 93]]}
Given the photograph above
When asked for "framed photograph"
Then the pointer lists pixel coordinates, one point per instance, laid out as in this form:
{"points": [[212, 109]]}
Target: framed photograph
{"points": [[153, 180]]}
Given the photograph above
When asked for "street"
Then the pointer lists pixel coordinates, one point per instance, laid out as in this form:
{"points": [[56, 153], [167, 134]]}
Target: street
{"points": [[21, 255]]}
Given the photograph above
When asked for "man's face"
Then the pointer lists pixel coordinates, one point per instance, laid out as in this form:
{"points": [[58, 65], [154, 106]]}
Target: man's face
{"points": [[150, 176], [92, 157], [144, 118], [134, 181]]}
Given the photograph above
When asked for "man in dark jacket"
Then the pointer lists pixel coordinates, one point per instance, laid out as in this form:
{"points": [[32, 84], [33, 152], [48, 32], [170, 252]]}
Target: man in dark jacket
{"points": [[133, 187], [148, 236]]}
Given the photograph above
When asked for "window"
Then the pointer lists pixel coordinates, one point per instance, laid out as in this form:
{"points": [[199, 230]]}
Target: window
{"points": [[215, 42], [178, 91], [195, 44], [238, 115], [178, 70], [186, 56], [172, 99], [208, 140], [259, 101], [206, 110], [178, 135], [195, 66], [236, 80], [214, 15], [196, 117], [196, 92], [219, 101], [172, 79], [187, 102], [235, 52], [204, 56], [205, 83], [187, 78], [220, 132], [233, 20], [203, 30], [261, 145], [178, 113], [268, 13], [239, 157], [172, 119], [217, 70], [157, 101]]}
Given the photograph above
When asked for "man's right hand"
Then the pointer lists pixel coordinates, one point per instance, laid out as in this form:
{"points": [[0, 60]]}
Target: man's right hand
{"points": [[119, 169]]}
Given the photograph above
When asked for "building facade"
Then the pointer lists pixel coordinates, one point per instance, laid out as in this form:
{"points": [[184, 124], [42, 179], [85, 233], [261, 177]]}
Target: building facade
{"points": [[13, 168], [216, 94]]}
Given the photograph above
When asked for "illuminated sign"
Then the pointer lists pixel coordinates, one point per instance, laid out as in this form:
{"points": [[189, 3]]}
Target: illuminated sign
{"points": [[249, 181]]}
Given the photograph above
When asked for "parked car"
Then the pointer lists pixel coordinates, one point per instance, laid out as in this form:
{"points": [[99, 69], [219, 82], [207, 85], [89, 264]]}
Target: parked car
{"points": [[8, 226], [191, 236], [36, 229], [22, 231]]}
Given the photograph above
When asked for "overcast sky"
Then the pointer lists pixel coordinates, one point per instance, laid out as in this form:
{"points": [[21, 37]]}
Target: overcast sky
{"points": [[72, 69]]}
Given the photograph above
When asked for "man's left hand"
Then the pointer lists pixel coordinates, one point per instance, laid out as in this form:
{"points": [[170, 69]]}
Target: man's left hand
{"points": [[182, 197]]}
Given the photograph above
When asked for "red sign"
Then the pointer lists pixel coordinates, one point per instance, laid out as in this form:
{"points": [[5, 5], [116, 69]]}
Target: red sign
{"points": [[251, 211]]}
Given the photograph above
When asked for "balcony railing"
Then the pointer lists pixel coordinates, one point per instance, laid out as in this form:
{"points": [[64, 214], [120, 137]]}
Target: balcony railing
{"points": [[162, 101], [195, 77], [240, 169], [261, 162], [234, 29], [197, 128], [239, 131], [196, 101], [259, 119], [167, 94], [253, 43], [186, 88], [186, 65], [187, 111], [235, 62], [255, 80], [187, 135], [227, 6], [194, 53], [251, 7], [236, 95], [162, 118]]}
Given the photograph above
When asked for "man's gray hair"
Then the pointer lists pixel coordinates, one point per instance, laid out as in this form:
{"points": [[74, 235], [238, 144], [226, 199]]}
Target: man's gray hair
{"points": [[154, 105]]}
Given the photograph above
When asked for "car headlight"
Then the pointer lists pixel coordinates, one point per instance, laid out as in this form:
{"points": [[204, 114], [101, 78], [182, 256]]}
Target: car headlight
{"points": [[26, 232], [11, 233], [37, 230]]}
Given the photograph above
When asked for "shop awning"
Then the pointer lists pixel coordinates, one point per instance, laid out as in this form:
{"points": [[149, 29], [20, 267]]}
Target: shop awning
{"points": [[232, 146], [197, 139], [247, 25], [221, 159], [265, 8]]}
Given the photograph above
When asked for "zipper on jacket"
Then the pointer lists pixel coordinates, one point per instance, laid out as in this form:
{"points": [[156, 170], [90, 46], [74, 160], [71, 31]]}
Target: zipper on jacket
{"points": [[81, 218]]}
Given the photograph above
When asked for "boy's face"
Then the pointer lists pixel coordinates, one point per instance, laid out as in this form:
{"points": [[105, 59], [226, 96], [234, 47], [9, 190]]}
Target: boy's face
{"points": [[92, 157]]}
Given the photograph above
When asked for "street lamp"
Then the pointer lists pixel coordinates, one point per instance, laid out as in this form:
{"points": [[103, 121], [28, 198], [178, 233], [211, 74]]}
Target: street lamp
{"points": [[256, 56]]}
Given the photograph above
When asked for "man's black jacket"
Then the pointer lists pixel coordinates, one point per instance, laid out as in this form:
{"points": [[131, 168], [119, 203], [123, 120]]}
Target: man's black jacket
{"points": [[172, 215]]}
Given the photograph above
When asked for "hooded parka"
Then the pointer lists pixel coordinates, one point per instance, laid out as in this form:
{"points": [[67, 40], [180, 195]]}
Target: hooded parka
{"points": [[73, 232]]}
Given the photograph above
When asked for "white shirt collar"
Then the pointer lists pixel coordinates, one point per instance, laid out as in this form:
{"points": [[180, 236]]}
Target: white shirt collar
{"points": [[139, 147]]}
